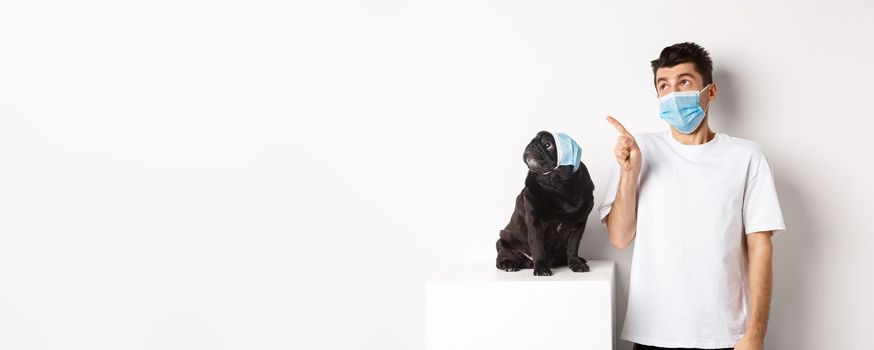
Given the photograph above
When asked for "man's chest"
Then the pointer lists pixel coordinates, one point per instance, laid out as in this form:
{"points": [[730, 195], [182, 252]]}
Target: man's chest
{"points": [[712, 186]]}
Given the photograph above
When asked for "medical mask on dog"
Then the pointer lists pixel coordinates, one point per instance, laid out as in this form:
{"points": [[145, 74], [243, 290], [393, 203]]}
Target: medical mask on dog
{"points": [[567, 150], [682, 109]]}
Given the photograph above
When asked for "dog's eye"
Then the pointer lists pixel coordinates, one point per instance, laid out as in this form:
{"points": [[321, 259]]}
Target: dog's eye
{"points": [[548, 145]]}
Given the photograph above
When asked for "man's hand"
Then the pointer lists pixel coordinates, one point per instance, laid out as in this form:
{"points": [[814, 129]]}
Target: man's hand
{"points": [[750, 342], [627, 152]]}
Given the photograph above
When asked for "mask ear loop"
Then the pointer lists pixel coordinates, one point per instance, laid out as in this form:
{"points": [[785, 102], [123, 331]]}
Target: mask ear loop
{"points": [[706, 110]]}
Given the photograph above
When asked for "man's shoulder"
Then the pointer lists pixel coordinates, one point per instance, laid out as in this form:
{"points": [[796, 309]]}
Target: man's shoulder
{"points": [[743, 145]]}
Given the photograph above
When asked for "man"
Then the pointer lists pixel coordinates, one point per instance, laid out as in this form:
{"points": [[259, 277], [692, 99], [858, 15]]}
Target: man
{"points": [[701, 207]]}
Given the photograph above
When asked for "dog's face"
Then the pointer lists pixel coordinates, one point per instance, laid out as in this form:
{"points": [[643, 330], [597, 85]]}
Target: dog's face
{"points": [[541, 155]]}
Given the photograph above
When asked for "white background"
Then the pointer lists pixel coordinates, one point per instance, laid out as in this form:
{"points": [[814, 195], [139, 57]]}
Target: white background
{"points": [[275, 175]]}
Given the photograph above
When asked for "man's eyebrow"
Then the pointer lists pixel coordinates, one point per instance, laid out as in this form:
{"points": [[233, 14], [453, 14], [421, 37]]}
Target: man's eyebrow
{"points": [[679, 76]]}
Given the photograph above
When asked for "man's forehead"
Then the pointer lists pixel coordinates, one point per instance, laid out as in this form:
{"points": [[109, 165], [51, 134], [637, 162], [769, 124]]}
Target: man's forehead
{"points": [[675, 72]]}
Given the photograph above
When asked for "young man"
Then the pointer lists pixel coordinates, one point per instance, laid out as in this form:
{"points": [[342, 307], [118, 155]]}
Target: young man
{"points": [[701, 207]]}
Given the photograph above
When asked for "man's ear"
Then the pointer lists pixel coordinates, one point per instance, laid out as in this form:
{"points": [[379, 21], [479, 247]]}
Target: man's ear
{"points": [[712, 92]]}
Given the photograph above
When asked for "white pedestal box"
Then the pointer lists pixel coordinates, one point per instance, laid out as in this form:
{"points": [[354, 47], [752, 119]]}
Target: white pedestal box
{"points": [[473, 305]]}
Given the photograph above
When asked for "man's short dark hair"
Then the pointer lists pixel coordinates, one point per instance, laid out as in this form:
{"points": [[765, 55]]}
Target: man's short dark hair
{"points": [[684, 53]]}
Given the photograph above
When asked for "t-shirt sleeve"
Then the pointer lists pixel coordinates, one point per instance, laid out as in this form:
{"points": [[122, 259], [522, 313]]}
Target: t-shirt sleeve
{"points": [[761, 207], [609, 193]]}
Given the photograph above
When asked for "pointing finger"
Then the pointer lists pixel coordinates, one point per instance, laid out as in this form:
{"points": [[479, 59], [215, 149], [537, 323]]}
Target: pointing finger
{"points": [[617, 125]]}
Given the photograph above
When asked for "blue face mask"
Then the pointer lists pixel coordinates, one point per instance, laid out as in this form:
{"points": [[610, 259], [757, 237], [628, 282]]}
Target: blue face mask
{"points": [[567, 151], [682, 109]]}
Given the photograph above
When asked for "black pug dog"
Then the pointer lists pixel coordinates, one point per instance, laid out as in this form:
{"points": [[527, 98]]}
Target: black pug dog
{"points": [[551, 212]]}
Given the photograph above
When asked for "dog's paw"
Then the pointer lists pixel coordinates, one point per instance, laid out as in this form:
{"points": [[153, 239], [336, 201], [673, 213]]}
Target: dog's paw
{"points": [[508, 265], [542, 271], [578, 265], [526, 264]]}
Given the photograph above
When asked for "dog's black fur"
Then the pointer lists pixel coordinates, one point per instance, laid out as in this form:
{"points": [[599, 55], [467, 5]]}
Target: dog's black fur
{"points": [[550, 215]]}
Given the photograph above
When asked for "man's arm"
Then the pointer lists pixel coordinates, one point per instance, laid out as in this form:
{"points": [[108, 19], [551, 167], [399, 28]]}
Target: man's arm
{"points": [[622, 220], [759, 251]]}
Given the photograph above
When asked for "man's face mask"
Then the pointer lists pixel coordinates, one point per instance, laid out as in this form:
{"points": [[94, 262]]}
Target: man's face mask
{"points": [[682, 109]]}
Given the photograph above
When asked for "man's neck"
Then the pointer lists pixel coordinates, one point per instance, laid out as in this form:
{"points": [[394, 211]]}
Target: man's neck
{"points": [[699, 137]]}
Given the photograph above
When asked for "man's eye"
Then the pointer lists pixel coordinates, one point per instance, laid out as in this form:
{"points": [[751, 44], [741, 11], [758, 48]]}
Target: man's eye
{"points": [[684, 83]]}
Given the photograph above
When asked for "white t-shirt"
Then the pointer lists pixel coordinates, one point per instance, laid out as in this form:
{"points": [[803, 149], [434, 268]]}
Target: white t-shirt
{"points": [[695, 204]]}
